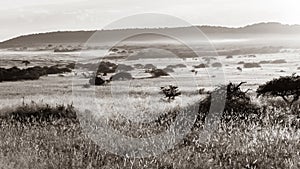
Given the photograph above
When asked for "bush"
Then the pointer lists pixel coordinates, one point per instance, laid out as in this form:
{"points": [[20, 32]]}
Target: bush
{"points": [[176, 66], [34, 114], [149, 66], [157, 73], [168, 70], [97, 81], [202, 65], [229, 57], [237, 106], [33, 73], [264, 62], [71, 66], [241, 63], [138, 66], [122, 67], [279, 61], [121, 76], [216, 64], [106, 67], [251, 56], [170, 92], [56, 70], [251, 65]]}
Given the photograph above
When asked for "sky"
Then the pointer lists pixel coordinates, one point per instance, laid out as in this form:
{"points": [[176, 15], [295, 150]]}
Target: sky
{"points": [[21, 17]]}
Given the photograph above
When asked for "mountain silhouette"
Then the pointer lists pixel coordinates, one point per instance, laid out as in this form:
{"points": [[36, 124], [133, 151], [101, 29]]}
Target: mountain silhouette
{"points": [[80, 37]]}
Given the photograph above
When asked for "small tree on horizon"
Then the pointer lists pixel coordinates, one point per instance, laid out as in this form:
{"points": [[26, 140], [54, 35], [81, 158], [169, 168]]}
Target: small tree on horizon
{"points": [[25, 62], [287, 87]]}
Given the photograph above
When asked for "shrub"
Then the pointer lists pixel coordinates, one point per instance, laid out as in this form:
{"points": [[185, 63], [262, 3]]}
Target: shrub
{"points": [[168, 70], [56, 70], [97, 81], [251, 65], [149, 66], [264, 62], [216, 64], [39, 114], [279, 61], [122, 67], [288, 88], [251, 56], [170, 92], [71, 66], [229, 57], [138, 66], [202, 65], [33, 73], [25, 62], [241, 63], [121, 76], [237, 106], [107, 67], [157, 73], [86, 86], [180, 66], [176, 66]]}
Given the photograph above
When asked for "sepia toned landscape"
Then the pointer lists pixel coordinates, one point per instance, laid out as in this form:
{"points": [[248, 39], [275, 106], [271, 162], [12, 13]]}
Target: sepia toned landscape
{"points": [[164, 97]]}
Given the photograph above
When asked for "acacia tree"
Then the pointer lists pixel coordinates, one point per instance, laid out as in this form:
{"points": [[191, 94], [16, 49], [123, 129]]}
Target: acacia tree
{"points": [[288, 88], [25, 62]]}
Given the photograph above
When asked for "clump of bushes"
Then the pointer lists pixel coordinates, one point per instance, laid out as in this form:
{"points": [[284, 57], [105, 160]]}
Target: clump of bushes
{"points": [[39, 114], [241, 63], [229, 57], [33, 73], [251, 65]]}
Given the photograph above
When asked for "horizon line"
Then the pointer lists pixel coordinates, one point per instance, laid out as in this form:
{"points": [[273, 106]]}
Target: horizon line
{"points": [[132, 28]]}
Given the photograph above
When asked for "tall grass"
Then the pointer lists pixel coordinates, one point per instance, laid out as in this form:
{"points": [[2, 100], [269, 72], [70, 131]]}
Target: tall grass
{"points": [[60, 143]]}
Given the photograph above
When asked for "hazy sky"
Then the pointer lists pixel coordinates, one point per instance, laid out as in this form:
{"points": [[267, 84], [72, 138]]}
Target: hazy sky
{"points": [[18, 17]]}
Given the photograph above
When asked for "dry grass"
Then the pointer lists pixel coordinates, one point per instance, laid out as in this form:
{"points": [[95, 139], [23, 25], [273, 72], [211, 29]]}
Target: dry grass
{"points": [[62, 144]]}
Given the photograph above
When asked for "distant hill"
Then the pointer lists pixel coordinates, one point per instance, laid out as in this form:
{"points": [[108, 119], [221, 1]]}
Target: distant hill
{"points": [[80, 37]]}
